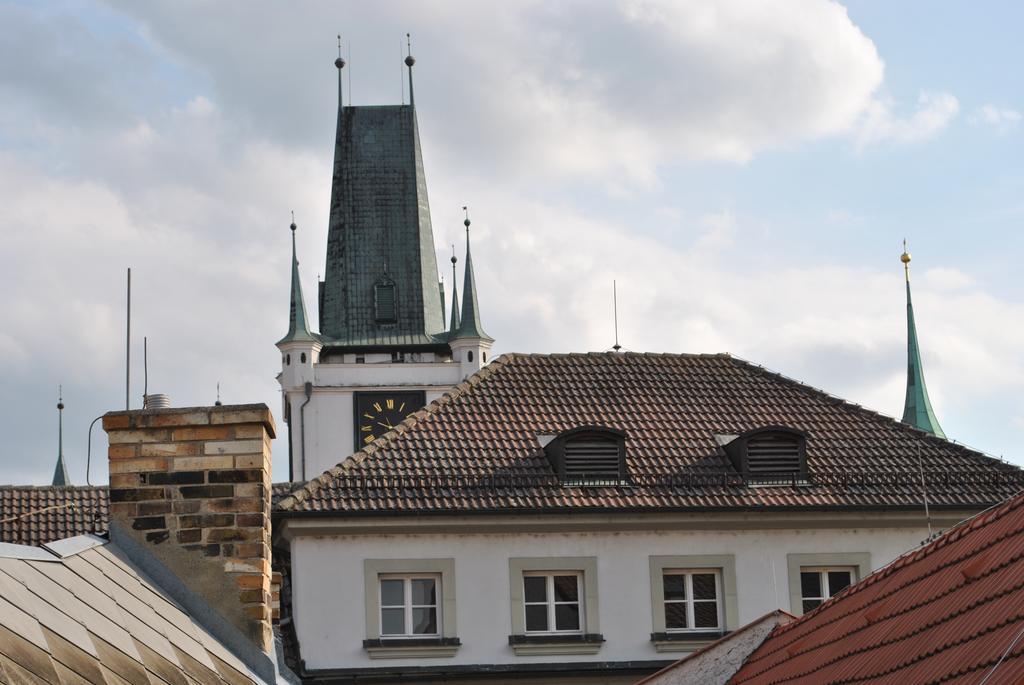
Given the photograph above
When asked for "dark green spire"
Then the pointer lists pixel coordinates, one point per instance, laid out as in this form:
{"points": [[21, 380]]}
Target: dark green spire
{"points": [[917, 408], [380, 243], [470, 326], [60, 473], [453, 328], [298, 328]]}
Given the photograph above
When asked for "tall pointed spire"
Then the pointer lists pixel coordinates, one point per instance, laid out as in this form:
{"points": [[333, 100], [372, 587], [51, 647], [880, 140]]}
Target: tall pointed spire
{"points": [[409, 61], [298, 326], [453, 328], [917, 407], [60, 473], [470, 326]]}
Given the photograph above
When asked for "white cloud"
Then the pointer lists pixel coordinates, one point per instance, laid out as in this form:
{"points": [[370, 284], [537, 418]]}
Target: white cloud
{"points": [[611, 90], [1002, 119], [882, 124]]}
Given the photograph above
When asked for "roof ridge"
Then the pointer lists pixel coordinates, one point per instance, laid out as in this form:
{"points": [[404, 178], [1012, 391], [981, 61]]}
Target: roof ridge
{"points": [[10, 486], [460, 390], [873, 414]]}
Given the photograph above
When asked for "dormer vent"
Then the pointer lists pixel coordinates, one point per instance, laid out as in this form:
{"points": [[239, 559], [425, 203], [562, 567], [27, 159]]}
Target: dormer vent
{"points": [[773, 453], [768, 453], [594, 456], [588, 455]]}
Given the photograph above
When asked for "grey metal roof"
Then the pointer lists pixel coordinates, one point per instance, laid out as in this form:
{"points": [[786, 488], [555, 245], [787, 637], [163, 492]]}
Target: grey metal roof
{"points": [[92, 616], [379, 232]]}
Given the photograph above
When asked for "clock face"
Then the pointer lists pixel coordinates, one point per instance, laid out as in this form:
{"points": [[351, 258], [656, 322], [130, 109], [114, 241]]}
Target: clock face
{"points": [[379, 412]]}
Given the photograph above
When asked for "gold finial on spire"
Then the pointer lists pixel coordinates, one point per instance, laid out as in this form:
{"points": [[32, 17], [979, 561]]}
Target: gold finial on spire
{"points": [[905, 258]]}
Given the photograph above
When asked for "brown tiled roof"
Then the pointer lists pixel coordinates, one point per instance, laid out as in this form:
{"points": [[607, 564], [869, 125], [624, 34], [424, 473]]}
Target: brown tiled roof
{"points": [[91, 616], [476, 448], [950, 612], [38, 514]]}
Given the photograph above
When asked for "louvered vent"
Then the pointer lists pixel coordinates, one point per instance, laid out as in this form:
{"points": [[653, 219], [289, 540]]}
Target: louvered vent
{"points": [[773, 454], [384, 303], [592, 458]]}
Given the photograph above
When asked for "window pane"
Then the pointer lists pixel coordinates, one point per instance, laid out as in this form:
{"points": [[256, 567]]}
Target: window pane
{"points": [[705, 614], [566, 589], [810, 584], [837, 580], [423, 591], [424, 621], [810, 604], [537, 617], [391, 593], [567, 617], [535, 588], [675, 615], [675, 586], [704, 586], [392, 621]]}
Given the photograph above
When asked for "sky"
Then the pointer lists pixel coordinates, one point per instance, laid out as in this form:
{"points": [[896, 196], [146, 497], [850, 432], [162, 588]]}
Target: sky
{"points": [[744, 170]]}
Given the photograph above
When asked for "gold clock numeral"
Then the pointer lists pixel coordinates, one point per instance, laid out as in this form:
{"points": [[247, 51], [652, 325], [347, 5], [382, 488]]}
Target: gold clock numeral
{"points": [[390, 403], [368, 439], [376, 405], [366, 429], [368, 416], [401, 407]]}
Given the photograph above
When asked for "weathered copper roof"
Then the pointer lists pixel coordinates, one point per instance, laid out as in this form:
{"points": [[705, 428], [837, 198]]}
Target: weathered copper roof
{"points": [[36, 515], [88, 615], [950, 612], [379, 233], [477, 447]]}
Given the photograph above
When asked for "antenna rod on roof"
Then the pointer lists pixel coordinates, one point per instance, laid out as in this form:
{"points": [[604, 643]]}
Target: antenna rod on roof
{"points": [[145, 369], [615, 305], [128, 345]]}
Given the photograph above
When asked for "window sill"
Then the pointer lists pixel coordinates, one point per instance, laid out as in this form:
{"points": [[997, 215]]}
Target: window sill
{"points": [[684, 642], [534, 645], [412, 648]]}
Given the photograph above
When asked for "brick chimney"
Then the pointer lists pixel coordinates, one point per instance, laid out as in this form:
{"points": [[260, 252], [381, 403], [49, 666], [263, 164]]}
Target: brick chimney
{"points": [[192, 488]]}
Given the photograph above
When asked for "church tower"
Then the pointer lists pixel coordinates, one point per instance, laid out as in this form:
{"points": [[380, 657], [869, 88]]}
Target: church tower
{"points": [[383, 350]]}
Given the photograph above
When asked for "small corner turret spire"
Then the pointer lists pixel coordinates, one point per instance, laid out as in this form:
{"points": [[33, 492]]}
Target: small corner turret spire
{"points": [[470, 326], [453, 328], [340, 64], [917, 407], [409, 61], [298, 326], [60, 472]]}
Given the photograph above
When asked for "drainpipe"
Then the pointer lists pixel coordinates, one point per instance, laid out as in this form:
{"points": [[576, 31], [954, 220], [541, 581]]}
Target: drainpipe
{"points": [[302, 427]]}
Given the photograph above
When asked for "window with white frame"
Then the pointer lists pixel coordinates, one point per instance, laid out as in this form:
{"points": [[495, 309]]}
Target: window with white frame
{"points": [[409, 605], [819, 583], [692, 600], [551, 601]]}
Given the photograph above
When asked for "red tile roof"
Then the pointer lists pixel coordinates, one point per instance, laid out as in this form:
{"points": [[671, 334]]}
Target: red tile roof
{"points": [[949, 612], [477, 447], [38, 514]]}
